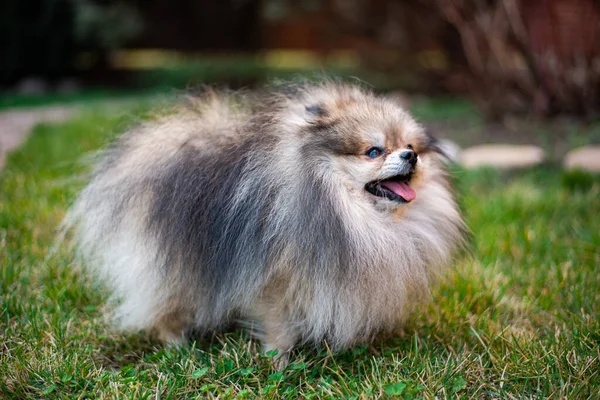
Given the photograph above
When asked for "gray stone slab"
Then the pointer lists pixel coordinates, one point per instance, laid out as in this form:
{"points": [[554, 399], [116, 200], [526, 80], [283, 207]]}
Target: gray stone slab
{"points": [[585, 158], [502, 156]]}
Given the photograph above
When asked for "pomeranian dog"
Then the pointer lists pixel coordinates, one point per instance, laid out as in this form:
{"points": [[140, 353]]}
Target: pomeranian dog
{"points": [[314, 212]]}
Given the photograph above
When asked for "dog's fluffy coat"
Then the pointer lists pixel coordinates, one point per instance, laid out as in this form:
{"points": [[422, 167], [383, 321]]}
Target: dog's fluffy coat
{"points": [[240, 208]]}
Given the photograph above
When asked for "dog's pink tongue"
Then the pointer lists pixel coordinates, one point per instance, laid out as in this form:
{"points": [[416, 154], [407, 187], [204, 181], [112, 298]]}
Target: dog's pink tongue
{"points": [[401, 189]]}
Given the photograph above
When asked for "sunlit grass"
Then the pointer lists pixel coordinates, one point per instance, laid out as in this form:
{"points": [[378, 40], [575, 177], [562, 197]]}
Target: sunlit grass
{"points": [[519, 317]]}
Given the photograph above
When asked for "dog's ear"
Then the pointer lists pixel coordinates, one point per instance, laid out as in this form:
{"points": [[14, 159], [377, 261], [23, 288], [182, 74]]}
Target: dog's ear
{"points": [[434, 144], [446, 148]]}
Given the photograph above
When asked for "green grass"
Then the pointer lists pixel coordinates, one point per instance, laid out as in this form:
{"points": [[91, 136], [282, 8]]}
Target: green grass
{"points": [[517, 318], [445, 109], [88, 96]]}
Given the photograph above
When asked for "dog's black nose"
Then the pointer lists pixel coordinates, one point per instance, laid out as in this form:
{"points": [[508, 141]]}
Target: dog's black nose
{"points": [[409, 156]]}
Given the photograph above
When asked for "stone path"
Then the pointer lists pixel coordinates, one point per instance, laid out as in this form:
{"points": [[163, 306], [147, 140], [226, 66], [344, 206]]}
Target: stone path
{"points": [[585, 158], [15, 125]]}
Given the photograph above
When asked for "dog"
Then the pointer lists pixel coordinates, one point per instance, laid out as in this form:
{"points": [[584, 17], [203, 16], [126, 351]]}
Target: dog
{"points": [[312, 212]]}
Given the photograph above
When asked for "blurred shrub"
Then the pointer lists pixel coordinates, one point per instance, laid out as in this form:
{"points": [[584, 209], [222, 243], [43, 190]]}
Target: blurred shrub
{"points": [[511, 56], [105, 25], [530, 54]]}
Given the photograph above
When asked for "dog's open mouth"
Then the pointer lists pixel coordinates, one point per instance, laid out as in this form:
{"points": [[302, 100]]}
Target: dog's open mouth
{"points": [[395, 188]]}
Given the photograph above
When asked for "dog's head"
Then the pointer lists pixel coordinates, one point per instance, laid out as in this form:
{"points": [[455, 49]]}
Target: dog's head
{"points": [[377, 150]]}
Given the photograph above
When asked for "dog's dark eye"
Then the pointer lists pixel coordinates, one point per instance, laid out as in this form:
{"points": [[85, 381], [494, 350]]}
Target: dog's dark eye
{"points": [[374, 152], [409, 146]]}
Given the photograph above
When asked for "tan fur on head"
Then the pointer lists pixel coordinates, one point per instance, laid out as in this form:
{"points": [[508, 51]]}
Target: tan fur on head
{"points": [[319, 212]]}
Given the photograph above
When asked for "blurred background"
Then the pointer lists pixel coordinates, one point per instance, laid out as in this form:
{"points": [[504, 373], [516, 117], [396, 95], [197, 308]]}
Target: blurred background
{"points": [[534, 58]]}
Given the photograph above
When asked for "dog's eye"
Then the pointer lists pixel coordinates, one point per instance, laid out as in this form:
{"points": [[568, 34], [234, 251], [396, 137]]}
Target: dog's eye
{"points": [[374, 152], [409, 146]]}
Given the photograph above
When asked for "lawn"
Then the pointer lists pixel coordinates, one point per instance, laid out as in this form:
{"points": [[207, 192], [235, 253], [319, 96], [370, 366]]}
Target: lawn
{"points": [[516, 317]]}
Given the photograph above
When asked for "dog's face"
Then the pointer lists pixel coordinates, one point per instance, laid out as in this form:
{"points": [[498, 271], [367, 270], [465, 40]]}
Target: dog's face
{"points": [[378, 151]]}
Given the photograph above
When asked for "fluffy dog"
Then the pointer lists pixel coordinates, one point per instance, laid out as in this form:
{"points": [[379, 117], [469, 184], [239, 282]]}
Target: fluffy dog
{"points": [[317, 212]]}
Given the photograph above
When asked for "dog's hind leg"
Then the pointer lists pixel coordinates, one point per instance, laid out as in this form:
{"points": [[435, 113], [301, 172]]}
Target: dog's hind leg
{"points": [[173, 323], [280, 337]]}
